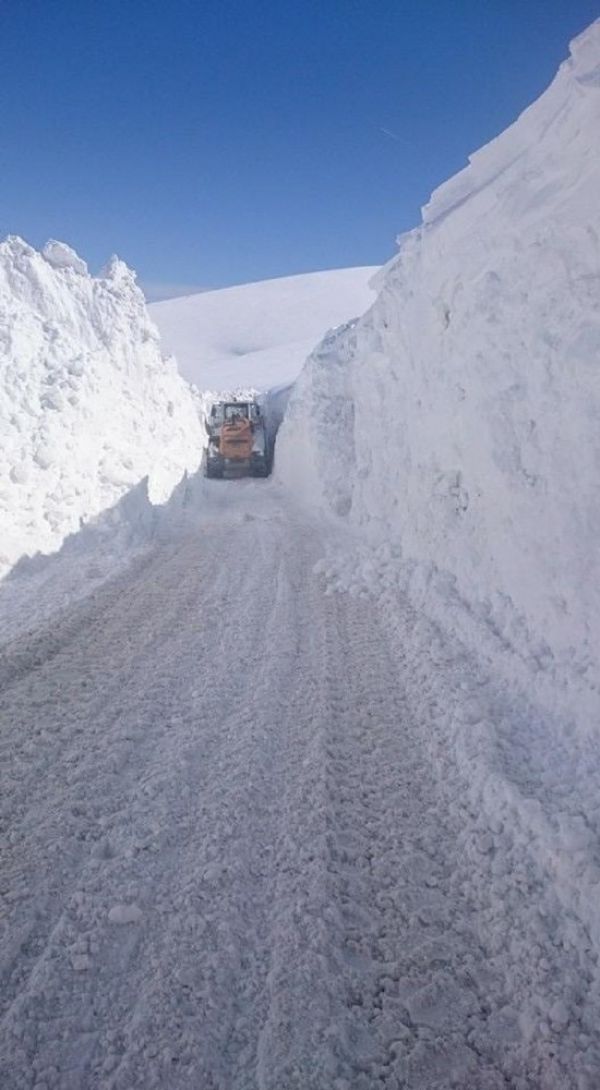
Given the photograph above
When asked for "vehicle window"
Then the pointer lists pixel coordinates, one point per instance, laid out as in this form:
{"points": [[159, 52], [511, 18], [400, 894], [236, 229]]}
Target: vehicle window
{"points": [[236, 412]]}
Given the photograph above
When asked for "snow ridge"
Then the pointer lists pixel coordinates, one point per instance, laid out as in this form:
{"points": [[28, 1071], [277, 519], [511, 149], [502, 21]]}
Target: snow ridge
{"points": [[88, 406]]}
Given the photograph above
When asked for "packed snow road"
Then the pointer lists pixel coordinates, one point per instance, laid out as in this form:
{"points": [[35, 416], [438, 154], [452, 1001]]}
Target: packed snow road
{"points": [[239, 851]]}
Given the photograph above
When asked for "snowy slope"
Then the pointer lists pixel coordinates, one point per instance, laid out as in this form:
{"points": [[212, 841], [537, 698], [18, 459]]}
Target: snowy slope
{"points": [[87, 404], [460, 418], [258, 335]]}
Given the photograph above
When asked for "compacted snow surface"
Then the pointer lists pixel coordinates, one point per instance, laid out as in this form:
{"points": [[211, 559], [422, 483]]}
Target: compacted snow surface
{"points": [[244, 843]]}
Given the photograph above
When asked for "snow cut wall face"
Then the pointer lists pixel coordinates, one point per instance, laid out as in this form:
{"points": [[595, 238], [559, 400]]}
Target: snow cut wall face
{"points": [[87, 404], [461, 414]]}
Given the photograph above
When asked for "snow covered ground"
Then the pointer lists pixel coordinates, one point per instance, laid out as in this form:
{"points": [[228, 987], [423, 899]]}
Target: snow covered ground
{"points": [[460, 417], [244, 846], [88, 406], [258, 335]]}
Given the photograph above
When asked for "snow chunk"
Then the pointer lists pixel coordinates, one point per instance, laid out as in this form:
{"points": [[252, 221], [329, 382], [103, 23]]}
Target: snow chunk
{"points": [[123, 914], [61, 256], [585, 55], [117, 271], [81, 963]]}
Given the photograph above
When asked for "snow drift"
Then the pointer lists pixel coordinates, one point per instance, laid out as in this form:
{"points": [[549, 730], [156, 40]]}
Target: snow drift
{"points": [[88, 406], [460, 417]]}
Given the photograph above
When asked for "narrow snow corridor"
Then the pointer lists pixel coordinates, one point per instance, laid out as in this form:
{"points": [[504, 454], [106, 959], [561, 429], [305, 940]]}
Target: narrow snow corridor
{"points": [[239, 853]]}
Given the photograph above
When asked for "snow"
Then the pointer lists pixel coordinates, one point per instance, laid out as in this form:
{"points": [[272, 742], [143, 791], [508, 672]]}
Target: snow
{"points": [[459, 418], [44, 586], [88, 406], [61, 256], [124, 914], [79, 352], [258, 335], [300, 776], [254, 859]]}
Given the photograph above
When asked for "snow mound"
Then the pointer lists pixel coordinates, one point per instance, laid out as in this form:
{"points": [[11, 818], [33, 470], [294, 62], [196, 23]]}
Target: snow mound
{"points": [[460, 417], [258, 335], [88, 406]]}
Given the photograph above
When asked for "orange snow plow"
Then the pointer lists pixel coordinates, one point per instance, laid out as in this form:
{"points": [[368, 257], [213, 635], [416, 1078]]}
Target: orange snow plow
{"points": [[236, 439], [237, 444]]}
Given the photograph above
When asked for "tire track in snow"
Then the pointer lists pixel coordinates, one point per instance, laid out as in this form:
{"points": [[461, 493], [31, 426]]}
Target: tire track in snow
{"points": [[92, 1031], [144, 715], [80, 710], [241, 808], [351, 896], [409, 966]]}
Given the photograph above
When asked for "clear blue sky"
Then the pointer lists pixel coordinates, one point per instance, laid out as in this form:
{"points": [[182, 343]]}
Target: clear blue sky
{"points": [[211, 143]]}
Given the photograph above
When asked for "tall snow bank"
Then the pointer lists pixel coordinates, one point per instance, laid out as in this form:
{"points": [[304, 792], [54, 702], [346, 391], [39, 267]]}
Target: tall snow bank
{"points": [[460, 417], [88, 406]]}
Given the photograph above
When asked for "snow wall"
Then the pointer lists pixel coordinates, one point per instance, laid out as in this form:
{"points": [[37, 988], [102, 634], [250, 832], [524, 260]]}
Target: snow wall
{"points": [[459, 419], [88, 406]]}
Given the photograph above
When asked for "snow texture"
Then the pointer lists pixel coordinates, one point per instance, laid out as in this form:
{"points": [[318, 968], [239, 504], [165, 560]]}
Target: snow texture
{"points": [[88, 406], [460, 417], [246, 845], [258, 335]]}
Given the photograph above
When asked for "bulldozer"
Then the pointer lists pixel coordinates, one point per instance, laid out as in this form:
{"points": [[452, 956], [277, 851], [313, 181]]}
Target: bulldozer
{"points": [[237, 440]]}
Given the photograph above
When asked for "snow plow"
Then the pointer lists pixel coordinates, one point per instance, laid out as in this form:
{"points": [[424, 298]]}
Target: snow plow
{"points": [[237, 440]]}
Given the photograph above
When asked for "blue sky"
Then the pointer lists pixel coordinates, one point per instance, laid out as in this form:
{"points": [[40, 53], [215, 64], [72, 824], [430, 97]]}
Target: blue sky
{"points": [[215, 143]]}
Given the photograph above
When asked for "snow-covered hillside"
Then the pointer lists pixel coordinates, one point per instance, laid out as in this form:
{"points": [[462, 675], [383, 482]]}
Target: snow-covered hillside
{"points": [[88, 406], [258, 335], [460, 418]]}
